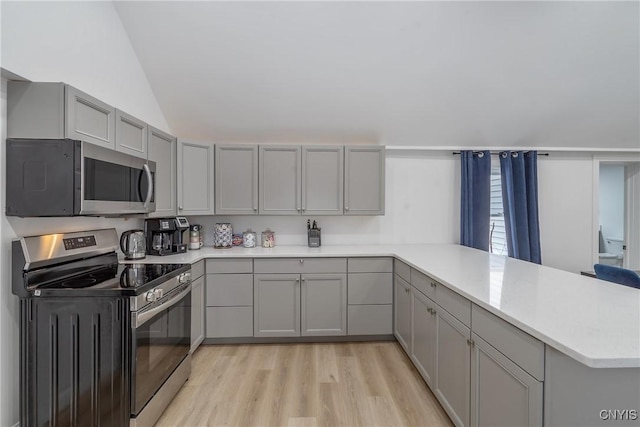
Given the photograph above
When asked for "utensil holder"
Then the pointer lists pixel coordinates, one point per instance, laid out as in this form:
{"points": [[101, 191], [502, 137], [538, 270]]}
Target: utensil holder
{"points": [[314, 238]]}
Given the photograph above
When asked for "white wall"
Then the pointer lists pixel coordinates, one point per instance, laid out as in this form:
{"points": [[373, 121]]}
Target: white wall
{"points": [[85, 45], [612, 201], [80, 43]]}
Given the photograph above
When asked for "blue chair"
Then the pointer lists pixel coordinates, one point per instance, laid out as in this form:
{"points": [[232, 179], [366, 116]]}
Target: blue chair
{"points": [[618, 275]]}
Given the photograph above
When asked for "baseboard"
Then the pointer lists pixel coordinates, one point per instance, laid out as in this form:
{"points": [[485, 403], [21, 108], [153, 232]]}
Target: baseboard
{"points": [[283, 340]]}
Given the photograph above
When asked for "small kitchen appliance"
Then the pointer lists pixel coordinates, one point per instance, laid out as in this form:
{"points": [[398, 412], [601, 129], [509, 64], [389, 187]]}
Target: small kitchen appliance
{"points": [[165, 235], [133, 244]]}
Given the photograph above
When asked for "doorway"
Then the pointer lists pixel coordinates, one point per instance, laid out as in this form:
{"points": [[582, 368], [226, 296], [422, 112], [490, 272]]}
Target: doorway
{"points": [[617, 216]]}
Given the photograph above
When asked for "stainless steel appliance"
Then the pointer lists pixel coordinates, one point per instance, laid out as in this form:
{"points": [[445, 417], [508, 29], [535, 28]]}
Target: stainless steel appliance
{"points": [[64, 177], [101, 343], [133, 244], [165, 235]]}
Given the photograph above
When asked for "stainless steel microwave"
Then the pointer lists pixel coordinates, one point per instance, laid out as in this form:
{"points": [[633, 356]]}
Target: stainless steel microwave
{"points": [[65, 177]]}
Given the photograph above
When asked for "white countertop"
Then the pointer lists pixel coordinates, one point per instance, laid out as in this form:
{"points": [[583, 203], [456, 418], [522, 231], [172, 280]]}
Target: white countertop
{"points": [[592, 321]]}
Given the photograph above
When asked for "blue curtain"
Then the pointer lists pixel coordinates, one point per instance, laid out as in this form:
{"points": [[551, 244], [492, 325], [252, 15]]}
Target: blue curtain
{"points": [[519, 172], [475, 198]]}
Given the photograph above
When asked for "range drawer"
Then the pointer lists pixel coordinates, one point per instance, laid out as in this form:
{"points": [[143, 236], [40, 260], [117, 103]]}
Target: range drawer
{"points": [[370, 288], [232, 265], [402, 270], [370, 265], [300, 265], [229, 289], [523, 349]]}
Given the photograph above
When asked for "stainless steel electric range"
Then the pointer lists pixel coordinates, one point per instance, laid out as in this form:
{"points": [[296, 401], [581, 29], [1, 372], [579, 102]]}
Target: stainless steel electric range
{"points": [[101, 343]]}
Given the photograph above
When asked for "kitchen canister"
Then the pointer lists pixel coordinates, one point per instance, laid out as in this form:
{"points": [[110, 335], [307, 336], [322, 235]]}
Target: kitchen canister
{"points": [[223, 236], [195, 236], [249, 239], [268, 239]]}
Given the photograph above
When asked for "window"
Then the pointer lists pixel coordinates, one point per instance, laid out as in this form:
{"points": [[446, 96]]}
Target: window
{"points": [[498, 242]]}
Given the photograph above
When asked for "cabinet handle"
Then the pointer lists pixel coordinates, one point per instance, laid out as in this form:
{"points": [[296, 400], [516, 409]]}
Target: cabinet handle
{"points": [[180, 207], [301, 261], [433, 285], [433, 311], [255, 209], [407, 290], [470, 342], [304, 279], [346, 208], [297, 279]]}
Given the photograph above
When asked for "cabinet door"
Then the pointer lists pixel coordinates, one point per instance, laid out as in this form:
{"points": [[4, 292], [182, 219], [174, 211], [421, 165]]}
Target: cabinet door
{"points": [[402, 312], [276, 304], [424, 338], [131, 135], [502, 394], [453, 359], [89, 119], [195, 178], [197, 312], [236, 179], [280, 175], [162, 150], [364, 180], [322, 180], [324, 304]]}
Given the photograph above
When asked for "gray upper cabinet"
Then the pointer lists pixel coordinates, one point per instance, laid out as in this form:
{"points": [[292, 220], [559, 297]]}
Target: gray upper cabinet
{"points": [[322, 180], [131, 135], [89, 119], [195, 178], [162, 150], [57, 110], [364, 180], [304, 180], [236, 182], [280, 176]]}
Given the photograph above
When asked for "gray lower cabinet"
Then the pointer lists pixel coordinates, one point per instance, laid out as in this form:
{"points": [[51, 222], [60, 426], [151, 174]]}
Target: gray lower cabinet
{"points": [[162, 150], [236, 182], [370, 296], [56, 110], [276, 303], [502, 393], [292, 305], [364, 180], [131, 135], [402, 312], [279, 182], [229, 298], [424, 336], [195, 178], [197, 312], [453, 363], [323, 304]]}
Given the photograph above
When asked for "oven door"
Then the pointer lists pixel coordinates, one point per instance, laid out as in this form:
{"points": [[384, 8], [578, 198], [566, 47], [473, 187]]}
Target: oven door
{"points": [[115, 183], [161, 339]]}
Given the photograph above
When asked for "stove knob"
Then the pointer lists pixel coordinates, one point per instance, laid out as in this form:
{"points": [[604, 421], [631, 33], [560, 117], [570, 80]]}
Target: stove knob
{"points": [[159, 293], [184, 277], [151, 296]]}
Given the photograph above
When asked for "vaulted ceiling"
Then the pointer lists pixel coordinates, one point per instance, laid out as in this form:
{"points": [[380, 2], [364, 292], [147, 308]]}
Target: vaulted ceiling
{"points": [[398, 73]]}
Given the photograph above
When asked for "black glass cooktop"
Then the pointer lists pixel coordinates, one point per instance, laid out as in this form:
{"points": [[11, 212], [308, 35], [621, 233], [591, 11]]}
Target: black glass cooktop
{"points": [[110, 276]]}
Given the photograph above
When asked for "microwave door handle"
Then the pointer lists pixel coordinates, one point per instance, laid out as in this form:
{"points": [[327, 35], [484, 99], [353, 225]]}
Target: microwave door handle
{"points": [[150, 187]]}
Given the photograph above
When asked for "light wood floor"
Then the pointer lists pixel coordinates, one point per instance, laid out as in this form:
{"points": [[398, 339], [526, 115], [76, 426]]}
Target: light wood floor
{"points": [[345, 384]]}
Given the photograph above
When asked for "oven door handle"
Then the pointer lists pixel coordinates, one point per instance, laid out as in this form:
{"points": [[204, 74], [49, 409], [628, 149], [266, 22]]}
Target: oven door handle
{"points": [[139, 319]]}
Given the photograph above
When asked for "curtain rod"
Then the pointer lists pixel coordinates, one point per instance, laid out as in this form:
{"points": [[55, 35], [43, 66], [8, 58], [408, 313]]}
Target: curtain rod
{"points": [[497, 153]]}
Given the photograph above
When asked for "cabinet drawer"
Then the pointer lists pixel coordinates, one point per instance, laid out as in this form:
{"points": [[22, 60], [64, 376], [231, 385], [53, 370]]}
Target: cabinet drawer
{"points": [[233, 265], [457, 305], [370, 319], [370, 288], [225, 322], [301, 265], [423, 283], [229, 289], [370, 265], [523, 349], [402, 270], [197, 270]]}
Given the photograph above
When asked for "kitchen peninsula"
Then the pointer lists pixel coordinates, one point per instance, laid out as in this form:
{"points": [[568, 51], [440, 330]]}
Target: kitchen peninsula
{"points": [[572, 343]]}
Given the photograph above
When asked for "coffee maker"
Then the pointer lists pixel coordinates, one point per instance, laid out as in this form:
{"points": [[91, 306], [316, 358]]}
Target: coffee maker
{"points": [[164, 235]]}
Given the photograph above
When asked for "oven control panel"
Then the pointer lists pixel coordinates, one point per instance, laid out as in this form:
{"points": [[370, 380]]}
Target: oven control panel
{"points": [[79, 242]]}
